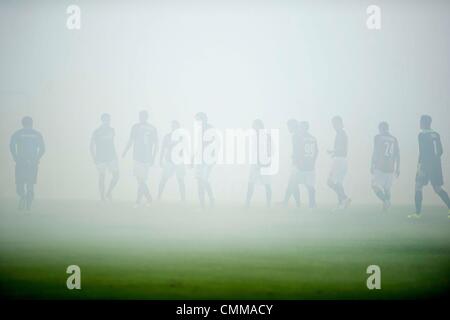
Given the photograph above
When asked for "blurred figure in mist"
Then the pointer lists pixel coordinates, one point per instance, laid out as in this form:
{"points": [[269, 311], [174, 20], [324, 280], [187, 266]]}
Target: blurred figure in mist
{"points": [[203, 167], [27, 148], [144, 139], [169, 165], [339, 164], [292, 189], [305, 161], [429, 167], [103, 153], [256, 177], [385, 164]]}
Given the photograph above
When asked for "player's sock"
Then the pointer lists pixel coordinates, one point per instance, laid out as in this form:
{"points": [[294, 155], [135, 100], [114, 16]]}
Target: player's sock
{"points": [[418, 201]]}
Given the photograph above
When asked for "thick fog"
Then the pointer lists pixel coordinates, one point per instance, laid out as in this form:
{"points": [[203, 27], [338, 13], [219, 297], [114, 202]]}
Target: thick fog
{"points": [[236, 61]]}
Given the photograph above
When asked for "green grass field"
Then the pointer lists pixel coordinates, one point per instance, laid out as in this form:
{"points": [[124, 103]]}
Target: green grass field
{"points": [[172, 252]]}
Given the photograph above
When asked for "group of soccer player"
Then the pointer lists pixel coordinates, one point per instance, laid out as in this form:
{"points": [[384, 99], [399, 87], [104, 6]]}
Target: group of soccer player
{"points": [[27, 148]]}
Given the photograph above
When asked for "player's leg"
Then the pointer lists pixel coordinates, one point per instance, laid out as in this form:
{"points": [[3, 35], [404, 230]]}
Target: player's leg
{"points": [[250, 190], [421, 181], [114, 179], [268, 195], [312, 196], [201, 192], [162, 183], [181, 185], [209, 192], [29, 195], [101, 184], [442, 194], [20, 190]]}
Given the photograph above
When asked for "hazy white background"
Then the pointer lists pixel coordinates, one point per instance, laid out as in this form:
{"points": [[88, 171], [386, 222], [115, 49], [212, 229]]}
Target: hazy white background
{"points": [[234, 60]]}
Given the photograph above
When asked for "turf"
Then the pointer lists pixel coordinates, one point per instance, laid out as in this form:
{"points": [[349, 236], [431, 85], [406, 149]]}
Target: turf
{"points": [[170, 251]]}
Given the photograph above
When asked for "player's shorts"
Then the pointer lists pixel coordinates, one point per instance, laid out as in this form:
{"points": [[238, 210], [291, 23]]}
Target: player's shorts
{"points": [[433, 175], [170, 168], [256, 177], [202, 171], [382, 179], [111, 166], [307, 178], [26, 172], [141, 169], [338, 170]]}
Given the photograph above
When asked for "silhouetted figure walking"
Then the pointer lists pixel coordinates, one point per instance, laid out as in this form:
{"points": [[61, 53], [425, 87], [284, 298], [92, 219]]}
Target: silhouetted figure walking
{"points": [[339, 165], [104, 154], [385, 164], [292, 188], [429, 168], [168, 163], [144, 139], [256, 176], [27, 148]]}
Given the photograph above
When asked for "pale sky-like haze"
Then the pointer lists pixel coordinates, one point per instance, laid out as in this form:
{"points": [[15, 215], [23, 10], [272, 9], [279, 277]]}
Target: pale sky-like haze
{"points": [[234, 60]]}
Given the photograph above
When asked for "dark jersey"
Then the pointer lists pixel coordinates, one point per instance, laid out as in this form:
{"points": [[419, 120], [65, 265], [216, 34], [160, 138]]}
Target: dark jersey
{"points": [[27, 146], [340, 144], [430, 150], [144, 137], [103, 138], [385, 153], [305, 152]]}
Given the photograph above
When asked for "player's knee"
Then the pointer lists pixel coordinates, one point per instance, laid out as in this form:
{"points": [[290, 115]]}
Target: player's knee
{"points": [[437, 189]]}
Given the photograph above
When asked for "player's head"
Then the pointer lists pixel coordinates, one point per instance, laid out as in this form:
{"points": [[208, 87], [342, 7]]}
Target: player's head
{"points": [[106, 119], [27, 122], [174, 125], [383, 127], [143, 116], [337, 122], [201, 116], [258, 124], [303, 126], [292, 125], [425, 122]]}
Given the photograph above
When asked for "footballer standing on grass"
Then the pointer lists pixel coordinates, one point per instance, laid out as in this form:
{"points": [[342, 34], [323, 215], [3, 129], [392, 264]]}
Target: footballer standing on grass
{"points": [[104, 155], [27, 148], [385, 163], [429, 167], [144, 139]]}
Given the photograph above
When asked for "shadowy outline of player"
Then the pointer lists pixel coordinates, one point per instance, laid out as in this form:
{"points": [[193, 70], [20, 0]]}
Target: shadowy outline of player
{"points": [[385, 164], [339, 164], [429, 167], [27, 148], [167, 164], [203, 169], [292, 189], [104, 155], [144, 139], [255, 176]]}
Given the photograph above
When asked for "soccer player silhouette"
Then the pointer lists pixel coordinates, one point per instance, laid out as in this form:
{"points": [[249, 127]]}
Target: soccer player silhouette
{"points": [[429, 168], [204, 166], [305, 161], [168, 164], [339, 165], [103, 153], [292, 188], [256, 176], [27, 148], [385, 164], [144, 139]]}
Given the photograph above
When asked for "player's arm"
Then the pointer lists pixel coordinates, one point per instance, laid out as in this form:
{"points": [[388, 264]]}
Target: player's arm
{"points": [[397, 158], [421, 144], [129, 143], [41, 146], [13, 147]]}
